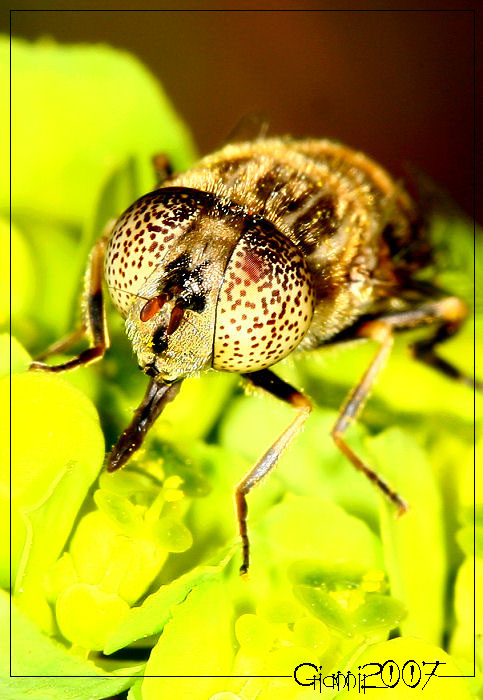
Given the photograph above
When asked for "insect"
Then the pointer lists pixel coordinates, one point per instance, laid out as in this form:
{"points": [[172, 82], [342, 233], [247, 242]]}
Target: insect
{"points": [[264, 247]]}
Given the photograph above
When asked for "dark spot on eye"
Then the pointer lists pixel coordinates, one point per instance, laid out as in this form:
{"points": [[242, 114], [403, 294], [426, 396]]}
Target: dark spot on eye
{"points": [[160, 340]]}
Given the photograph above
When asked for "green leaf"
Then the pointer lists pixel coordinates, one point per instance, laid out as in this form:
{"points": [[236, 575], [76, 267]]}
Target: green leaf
{"points": [[56, 286], [378, 612], [57, 452], [151, 617], [23, 274], [414, 545], [312, 528], [196, 641], [468, 608], [86, 614], [20, 357], [346, 598], [330, 576], [111, 107], [115, 561], [37, 657], [470, 539], [321, 605], [401, 651], [135, 691]]}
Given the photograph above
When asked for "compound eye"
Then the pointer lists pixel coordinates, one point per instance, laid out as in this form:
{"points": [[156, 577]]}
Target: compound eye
{"points": [[265, 305]]}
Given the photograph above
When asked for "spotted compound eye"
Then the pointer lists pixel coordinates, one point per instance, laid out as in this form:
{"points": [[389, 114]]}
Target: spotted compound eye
{"points": [[265, 304], [144, 236]]}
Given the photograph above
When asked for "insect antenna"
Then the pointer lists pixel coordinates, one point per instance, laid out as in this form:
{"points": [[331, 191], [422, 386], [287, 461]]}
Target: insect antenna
{"points": [[125, 291]]}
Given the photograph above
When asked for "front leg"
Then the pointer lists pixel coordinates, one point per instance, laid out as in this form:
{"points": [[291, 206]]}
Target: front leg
{"points": [[381, 332], [265, 379], [94, 324]]}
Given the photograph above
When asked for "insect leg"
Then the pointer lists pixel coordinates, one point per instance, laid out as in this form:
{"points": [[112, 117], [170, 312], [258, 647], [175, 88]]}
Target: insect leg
{"points": [[448, 314], [162, 167], [382, 333], [271, 383], [155, 399], [451, 312], [63, 344], [95, 318]]}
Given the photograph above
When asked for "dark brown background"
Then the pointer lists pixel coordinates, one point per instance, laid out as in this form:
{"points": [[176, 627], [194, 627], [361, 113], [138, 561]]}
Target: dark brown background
{"points": [[396, 84]]}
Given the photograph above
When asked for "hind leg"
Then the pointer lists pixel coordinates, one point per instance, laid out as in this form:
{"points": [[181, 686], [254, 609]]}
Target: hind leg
{"points": [[453, 312], [447, 315]]}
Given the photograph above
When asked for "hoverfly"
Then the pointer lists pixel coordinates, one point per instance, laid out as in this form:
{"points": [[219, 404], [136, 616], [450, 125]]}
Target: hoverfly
{"points": [[264, 247]]}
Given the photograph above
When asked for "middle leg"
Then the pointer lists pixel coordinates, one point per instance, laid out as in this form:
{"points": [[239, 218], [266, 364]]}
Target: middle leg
{"points": [[265, 379], [381, 332]]}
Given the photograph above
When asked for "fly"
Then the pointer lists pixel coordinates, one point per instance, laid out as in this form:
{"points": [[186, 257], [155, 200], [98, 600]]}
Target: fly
{"points": [[262, 248]]}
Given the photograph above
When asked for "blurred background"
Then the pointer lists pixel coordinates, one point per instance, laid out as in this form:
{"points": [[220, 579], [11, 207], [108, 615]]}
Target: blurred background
{"points": [[396, 84]]}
